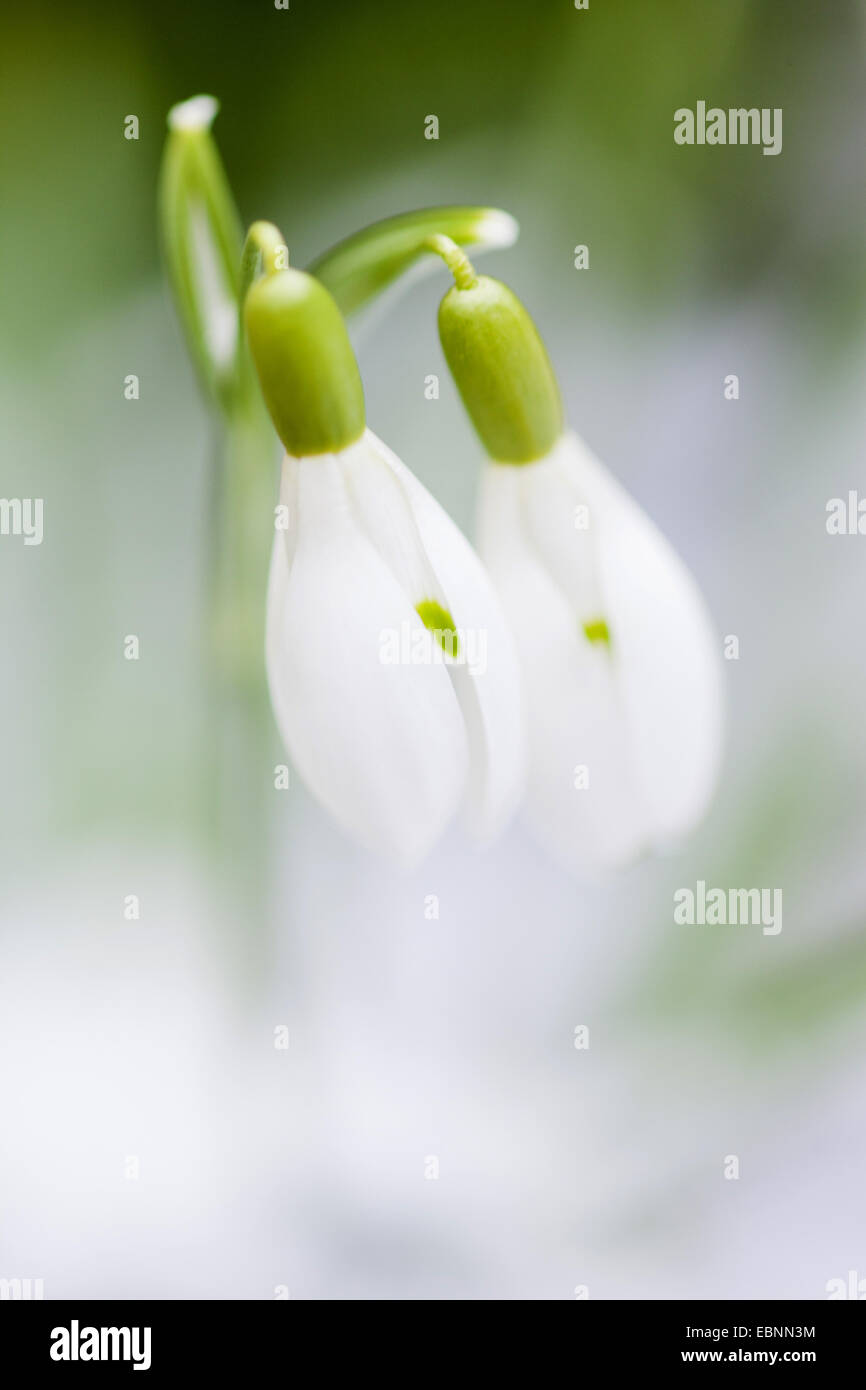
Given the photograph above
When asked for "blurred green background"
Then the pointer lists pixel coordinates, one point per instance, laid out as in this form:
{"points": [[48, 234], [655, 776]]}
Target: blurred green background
{"points": [[703, 261]]}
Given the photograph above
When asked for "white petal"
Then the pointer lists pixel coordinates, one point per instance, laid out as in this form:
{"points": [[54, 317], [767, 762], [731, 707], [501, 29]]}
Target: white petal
{"points": [[664, 648], [644, 716], [382, 746], [382, 506], [575, 719], [486, 675], [289, 502]]}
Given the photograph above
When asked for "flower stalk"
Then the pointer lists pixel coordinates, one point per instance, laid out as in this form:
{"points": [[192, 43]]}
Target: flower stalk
{"points": [[363, 266]]}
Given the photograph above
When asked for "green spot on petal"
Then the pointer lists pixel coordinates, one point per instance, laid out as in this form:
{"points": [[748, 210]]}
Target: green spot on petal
{"points": [[440, 622], [597, 630]]}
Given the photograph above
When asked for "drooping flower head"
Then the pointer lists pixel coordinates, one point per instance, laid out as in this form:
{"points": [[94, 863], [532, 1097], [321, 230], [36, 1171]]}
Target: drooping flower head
{"points": [[619, 659], [376, 604]]}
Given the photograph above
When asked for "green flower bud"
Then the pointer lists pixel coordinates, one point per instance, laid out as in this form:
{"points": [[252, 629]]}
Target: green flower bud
{"points": [[500, 366], [201, 237], [306, 366]]}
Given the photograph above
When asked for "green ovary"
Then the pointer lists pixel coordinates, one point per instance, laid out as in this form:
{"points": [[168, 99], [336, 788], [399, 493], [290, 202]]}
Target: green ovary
{"points": [[440, 622]]}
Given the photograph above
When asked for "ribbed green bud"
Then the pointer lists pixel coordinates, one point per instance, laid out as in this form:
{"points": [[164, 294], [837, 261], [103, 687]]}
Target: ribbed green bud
{"points": [[306, 366], [501, 369]]}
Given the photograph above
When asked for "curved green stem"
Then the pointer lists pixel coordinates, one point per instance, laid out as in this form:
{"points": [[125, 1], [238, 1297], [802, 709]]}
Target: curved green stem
{"points": [[361, 267], [265, 251], [456, 260]]}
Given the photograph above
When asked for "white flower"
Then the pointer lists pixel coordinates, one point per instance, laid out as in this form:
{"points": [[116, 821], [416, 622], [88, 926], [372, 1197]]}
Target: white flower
{"points": [[621, 667], [391, 748]]}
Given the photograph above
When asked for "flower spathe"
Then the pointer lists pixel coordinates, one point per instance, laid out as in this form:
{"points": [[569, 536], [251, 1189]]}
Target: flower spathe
{"points": [[391, 749], [620, 663], [201, 240]]}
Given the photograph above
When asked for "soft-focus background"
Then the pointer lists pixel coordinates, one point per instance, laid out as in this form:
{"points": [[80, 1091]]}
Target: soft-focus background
{"points": [[148, 1047]]}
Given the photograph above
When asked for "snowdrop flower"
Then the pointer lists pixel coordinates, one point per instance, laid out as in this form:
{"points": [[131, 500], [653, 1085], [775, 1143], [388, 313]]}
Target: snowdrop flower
{"points": [[619, 659], [365, 564]]}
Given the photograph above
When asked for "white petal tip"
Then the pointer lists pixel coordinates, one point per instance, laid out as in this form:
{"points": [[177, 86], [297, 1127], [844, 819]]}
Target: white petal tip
{"points": [[197, 113], [498, 228]]}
